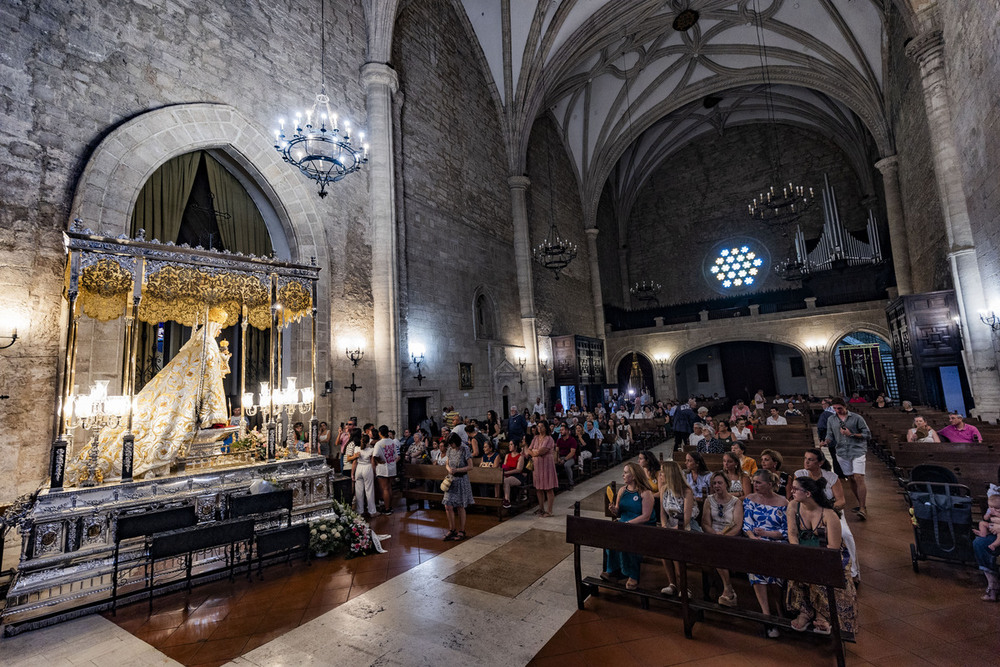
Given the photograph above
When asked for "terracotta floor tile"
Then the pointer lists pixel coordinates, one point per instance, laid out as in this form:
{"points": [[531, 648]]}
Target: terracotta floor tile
{"points": [[190, 633], [370, 577], [330, 596], [242, 626], [182, 653], [220, 650]]}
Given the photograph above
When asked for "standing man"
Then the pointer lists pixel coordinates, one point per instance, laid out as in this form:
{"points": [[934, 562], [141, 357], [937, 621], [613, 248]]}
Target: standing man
{"points": [[538, 407], [684, 418], [958, 431], [850, 433], [517, 425], [821, 430]]}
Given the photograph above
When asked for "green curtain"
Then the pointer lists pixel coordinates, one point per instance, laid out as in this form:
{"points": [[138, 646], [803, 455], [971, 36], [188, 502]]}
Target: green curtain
{"points": [[244, 230], [162, 200]]}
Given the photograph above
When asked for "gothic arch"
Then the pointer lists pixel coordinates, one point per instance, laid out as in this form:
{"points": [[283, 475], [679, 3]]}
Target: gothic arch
{"points": [[484, 314], [129, 154]]}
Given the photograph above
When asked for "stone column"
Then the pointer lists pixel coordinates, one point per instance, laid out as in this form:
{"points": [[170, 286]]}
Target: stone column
{"points": [[595, 282], [525, 287], [889, 166], [380, 83], [623, 270], [980, 358]]}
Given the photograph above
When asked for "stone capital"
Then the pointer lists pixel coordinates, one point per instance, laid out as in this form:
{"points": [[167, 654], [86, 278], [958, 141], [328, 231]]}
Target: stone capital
{"points": [[888, 165], [518, 182], [379, 74], [925, 46], [592, 232]]}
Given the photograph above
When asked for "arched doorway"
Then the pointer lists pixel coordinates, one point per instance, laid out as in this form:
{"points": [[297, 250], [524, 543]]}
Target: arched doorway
{"points": [[864, 366], [738, 369], [201, 199], [635, 376]]}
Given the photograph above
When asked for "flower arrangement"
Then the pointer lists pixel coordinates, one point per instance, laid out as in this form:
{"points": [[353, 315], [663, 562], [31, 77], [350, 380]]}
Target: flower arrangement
{"points": [[361, 538], [325, 534], [254, 442]]}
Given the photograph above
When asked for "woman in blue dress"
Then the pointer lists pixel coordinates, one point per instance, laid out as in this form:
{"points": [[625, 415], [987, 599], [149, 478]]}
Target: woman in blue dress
{"points": [[633, 504], [765, 518]]}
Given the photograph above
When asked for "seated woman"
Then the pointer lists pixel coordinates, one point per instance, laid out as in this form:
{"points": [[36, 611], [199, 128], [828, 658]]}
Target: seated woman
{"points": [[757, 418], [907, 407], [513, 470], [764, 518], [880, 402], [771, 460], [739, 481], [741, 431], [567, 447], [650, 466], [697, 477], [921, 432], [633, 504], [813, 522], [722, 514], [676, 508], [739, 448], [491, 459]]}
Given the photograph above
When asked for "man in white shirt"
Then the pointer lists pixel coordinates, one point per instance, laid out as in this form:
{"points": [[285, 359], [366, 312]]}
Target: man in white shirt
{"points": [[538, 407], [698, 436], [775, 419]]}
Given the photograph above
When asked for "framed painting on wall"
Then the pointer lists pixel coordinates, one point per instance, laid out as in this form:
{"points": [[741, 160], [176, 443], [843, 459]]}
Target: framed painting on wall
{"points": [[465, 375]]}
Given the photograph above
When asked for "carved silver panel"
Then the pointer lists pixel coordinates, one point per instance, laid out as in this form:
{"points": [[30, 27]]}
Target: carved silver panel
{"points": [[94, 531], [49, 538]]}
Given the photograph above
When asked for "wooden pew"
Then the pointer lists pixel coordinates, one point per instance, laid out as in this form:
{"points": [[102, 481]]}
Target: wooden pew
{"points": [[436, 473], [813, 565]]}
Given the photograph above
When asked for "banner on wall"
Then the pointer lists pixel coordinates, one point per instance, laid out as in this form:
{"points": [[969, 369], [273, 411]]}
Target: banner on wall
{"points": [[862, 368]]}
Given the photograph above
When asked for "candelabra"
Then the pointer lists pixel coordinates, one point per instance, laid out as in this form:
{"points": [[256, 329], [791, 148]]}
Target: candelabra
{"points": [[647, 291], [354, 349], [990, 319], [521, 361], [12, 337], [819, 350], [95, 412], [661, 361], [279, 403]]}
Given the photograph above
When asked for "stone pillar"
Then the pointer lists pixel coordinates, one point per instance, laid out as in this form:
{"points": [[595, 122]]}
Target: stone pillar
{"points": [[380, 83], [889, 166], [595, 282], [623, 270], [980, 358], [525, 287]]}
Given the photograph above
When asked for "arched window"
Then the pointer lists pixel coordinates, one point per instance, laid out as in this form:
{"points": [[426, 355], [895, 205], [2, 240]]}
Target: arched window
{"points": [[483, 316]]}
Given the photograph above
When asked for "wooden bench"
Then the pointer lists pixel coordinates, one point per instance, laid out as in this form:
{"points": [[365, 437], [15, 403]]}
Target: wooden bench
{"points": [[435, 473], [812, 565]]}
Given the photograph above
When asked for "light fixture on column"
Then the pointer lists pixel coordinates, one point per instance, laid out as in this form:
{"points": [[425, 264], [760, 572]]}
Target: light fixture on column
{"points": [[661, 361], [990, 319], [820, 351], [320, 143], [417, 351], [543, 361], [521, 361], [354, 349], [12, 337]]}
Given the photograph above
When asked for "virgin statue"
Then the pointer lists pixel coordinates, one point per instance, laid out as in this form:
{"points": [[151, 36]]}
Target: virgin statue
{"points": [[186, 395]]}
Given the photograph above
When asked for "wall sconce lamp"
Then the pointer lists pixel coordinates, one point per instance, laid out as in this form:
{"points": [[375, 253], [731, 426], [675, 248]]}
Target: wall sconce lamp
{"points": [[354, 349], [416, 358], [987, 317], [820, 351], [543, 360], [661, 361], [12, 337], [521, 361]]}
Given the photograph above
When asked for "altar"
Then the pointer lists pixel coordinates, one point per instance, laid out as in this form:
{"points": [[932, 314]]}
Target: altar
{"points": [[121, 451]]}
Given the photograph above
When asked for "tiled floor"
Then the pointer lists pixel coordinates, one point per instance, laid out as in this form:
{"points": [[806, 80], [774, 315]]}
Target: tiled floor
{"points": [[931, 618], [220, 621]]}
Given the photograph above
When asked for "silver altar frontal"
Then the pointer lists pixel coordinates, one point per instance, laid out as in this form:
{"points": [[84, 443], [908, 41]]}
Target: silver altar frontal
{"points": [[122, 450]]}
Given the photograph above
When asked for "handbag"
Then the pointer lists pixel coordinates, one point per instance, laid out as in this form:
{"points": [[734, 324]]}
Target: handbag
{"points": [[530, 465], [446, 483]]}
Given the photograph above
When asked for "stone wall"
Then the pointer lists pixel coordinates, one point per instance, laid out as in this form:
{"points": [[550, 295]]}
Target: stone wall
{"points": [[607, 251], [922, 212], [73, 72], [457, 213], [699, 199], [799, 330], [972, 50]]}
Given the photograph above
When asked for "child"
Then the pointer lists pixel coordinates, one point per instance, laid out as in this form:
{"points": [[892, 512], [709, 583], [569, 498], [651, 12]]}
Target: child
{"points": [[991, 520]]}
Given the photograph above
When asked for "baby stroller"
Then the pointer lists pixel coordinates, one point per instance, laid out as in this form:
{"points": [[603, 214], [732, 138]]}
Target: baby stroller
{"points": [[942, 516]]}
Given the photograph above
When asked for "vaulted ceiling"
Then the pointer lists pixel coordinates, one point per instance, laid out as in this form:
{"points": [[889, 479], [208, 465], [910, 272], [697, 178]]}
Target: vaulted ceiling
{"points": [[626, 83]]}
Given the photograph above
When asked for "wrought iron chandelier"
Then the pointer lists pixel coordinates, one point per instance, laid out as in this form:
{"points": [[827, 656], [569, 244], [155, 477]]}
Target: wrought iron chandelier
{"points": [[646, 291], [554, 253], [321, 149], [782, 203]]}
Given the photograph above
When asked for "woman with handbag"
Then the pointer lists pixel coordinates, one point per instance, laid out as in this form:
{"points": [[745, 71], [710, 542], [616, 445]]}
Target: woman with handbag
{"points": [[456, 486], [812, 521], [633, 504], [676, 508], [513, 471], [722, 514]]}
